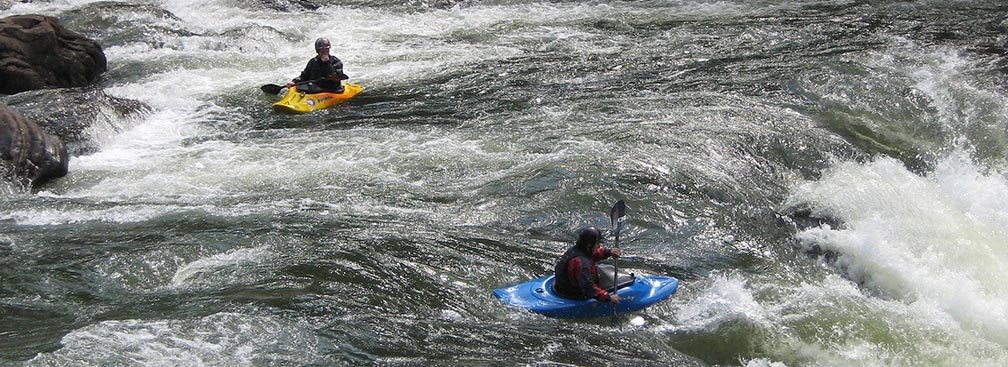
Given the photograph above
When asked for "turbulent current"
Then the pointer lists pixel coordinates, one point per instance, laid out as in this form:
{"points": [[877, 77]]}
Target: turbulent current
{"points": [[827, 178]]}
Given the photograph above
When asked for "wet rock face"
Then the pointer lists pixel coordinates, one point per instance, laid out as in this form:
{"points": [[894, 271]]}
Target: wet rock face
{"points": [[36, 52], [28, 154]]}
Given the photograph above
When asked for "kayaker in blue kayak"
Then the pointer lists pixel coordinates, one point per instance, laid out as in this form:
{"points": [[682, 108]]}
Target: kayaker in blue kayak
{"points": [[325, 68], [576, 273]]}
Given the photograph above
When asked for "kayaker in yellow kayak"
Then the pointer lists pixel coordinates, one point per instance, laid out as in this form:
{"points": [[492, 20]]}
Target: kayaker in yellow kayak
{"points": [[325, 68]]}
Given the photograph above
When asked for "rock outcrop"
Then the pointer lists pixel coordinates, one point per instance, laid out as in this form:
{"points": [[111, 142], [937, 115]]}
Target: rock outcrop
{"points": [[28, 154], [36, 52]]}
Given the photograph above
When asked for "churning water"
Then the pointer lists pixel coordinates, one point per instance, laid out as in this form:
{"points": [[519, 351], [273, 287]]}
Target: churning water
{"points": [[826, 177]]}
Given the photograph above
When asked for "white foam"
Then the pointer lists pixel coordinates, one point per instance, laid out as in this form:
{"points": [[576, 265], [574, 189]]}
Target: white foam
{"points": [[48, 7], [728, 298], [763, 362], [221, 269], [937, 242], [828, 321], [119, 214], [220, 339], [638, 321], [451, 315]]}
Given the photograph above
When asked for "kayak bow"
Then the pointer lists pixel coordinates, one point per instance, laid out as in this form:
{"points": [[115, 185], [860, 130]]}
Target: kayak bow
{"points": [[296, 101]]}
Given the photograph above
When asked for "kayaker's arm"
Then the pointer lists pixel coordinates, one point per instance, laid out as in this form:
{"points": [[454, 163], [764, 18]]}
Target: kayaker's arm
{"points": [[604, 296], [338, 76], [337, 70], [601, 253], [586, 281]]}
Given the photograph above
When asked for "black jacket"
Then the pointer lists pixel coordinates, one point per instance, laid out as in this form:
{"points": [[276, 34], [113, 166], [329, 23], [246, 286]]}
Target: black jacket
{"points": [[318, 69], [576, 275]]}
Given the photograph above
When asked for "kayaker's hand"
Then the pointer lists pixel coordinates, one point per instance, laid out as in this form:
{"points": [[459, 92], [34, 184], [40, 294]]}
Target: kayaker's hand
{"points": [[615, 252], [614, 298], [336, 77], [290, 84]]}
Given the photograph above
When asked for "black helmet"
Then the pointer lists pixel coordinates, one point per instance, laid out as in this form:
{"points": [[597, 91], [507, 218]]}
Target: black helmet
{"points": [[321, 43], [588, 236]]}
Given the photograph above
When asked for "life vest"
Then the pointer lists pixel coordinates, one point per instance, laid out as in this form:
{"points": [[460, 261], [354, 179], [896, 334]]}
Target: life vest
{"points": [[569, 273]]}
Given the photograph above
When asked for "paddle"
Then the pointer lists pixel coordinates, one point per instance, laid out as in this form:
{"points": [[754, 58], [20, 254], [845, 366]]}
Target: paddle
{"points": [[617, 217], [275, 89]]}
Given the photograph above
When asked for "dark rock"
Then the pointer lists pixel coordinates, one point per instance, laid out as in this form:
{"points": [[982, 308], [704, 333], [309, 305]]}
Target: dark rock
{"points": [[290, 5], [28, 154], [36, 52]]}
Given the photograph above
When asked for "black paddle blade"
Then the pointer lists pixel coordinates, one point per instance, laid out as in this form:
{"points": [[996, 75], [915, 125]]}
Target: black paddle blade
{"points": [[271, 89], [616, 215]]}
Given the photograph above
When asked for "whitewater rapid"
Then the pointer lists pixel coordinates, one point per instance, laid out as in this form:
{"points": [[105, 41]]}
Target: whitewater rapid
{"points": [[826, 179]]}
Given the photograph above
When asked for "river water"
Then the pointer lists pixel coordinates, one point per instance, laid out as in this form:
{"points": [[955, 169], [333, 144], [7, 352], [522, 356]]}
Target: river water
{"points": [[827, 179]]}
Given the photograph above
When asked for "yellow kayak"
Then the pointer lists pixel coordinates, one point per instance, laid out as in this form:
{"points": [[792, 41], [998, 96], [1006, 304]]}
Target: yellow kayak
{"points": [[296, 101]]}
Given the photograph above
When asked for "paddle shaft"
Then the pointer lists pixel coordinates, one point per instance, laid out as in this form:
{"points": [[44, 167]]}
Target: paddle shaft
{"points": [[274, 89], [617, 217], [615, 286]]}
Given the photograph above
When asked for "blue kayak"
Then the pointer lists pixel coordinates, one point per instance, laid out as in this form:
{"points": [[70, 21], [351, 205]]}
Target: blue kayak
{"points": [[635, 293]]}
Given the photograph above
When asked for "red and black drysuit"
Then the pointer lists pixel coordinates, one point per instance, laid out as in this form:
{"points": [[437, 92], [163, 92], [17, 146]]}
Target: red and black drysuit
{"points": [[577, 276]]}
